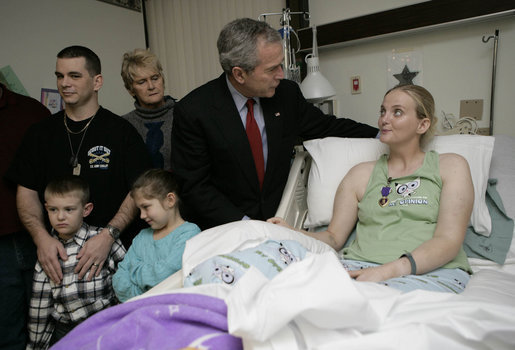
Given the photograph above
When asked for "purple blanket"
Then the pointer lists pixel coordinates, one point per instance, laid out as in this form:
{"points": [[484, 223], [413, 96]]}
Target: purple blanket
{"points": [[171, 321]]}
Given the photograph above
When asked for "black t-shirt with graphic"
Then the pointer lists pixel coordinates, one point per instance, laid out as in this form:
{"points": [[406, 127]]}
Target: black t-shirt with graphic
{"points": [[111, 156]]}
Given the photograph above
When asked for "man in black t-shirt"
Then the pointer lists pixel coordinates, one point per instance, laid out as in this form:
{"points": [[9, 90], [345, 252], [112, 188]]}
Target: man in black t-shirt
{"points": [[86, 140]]}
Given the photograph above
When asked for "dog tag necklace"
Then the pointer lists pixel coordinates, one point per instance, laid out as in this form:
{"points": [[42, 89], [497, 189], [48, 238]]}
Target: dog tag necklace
{"points": [[385, 191], [74, 160]]}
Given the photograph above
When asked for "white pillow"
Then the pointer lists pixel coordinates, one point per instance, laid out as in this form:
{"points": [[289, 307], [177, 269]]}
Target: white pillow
{"points": [[503, 169], [333, 157]]}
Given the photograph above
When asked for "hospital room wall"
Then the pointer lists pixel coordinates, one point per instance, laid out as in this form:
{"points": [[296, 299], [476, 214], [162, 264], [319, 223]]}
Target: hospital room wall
{"points": [[456, 64], [33, 32]]}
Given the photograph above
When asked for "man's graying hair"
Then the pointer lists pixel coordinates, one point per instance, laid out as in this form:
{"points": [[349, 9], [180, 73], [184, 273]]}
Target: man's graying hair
{"points": [[237, 43]]}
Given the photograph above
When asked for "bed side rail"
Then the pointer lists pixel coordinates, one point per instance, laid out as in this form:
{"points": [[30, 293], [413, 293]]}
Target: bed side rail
{"points": [[293, 206]]}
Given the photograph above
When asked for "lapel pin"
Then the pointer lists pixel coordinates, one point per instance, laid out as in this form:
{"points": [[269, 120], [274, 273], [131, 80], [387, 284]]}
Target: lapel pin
{"points": [[277, 114]]}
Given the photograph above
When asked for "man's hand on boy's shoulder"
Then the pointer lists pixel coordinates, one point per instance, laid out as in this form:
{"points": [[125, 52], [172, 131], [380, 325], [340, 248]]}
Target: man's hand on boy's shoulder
{"points": [[49, 248], [93, 254]]}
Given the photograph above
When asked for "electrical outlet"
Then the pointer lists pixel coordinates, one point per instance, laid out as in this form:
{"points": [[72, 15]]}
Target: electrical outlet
{"points": [[355, 85], [472, 109]]}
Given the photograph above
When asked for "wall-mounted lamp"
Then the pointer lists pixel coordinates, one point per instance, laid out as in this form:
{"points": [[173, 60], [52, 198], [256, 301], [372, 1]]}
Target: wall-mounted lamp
{"points": [[315, 87]]}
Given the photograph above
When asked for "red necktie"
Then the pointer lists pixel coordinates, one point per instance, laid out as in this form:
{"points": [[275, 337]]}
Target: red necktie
{"points": [[256, 144]]}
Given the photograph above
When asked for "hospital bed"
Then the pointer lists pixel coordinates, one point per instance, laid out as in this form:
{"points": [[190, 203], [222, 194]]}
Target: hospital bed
{"points": [[313, 304]]}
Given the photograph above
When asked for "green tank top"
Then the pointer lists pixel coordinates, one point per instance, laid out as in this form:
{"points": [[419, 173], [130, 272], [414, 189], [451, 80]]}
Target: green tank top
{"points": [[384, 233]]}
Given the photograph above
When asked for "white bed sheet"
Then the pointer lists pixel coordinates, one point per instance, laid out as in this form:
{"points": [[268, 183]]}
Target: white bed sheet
{"points": [[315, 305], [343, 314]]}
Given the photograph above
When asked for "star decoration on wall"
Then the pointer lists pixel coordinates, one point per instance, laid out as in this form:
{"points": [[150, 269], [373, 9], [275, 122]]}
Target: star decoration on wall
{"points": [[406, 77]]}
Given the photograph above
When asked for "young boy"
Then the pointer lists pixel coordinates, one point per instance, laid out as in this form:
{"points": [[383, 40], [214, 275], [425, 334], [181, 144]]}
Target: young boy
{"points": [[55, 309]]}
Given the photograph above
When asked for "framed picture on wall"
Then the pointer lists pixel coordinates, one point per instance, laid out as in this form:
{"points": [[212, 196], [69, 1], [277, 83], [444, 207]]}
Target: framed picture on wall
{"points": [[134, 5], [52, 100]]}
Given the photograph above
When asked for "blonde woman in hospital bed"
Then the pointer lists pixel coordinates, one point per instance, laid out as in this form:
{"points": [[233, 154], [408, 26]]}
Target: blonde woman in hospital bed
{"points": [[410, 208]]}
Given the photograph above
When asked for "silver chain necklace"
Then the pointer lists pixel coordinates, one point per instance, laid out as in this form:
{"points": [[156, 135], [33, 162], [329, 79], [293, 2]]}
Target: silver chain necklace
{"points": [[74, 160]]}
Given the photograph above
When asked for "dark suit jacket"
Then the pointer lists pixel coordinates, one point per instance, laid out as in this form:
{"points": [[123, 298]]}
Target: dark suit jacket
{"points": [[212, 158]]}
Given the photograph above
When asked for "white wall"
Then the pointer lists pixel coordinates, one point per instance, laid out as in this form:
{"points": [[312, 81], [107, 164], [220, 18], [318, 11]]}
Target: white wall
{"points": [[183, 34], [34, 31], [457, 65]]}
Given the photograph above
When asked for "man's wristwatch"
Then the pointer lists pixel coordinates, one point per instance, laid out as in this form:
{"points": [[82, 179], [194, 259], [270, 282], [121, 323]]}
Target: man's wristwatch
{"points": [[113, 231]]}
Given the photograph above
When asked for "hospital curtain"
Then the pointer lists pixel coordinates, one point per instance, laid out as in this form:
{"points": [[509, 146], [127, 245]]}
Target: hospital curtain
{"points": [[183, 34]]}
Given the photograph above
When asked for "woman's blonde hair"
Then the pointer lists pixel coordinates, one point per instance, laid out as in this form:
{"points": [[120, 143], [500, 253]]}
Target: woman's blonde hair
{"points": [[139, 58], [424, 106]]}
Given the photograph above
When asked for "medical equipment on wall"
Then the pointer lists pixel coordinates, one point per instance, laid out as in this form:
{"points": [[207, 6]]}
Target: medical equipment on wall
{"points": [[315, 87], [290, 67], [452, 125], [494, 68]]}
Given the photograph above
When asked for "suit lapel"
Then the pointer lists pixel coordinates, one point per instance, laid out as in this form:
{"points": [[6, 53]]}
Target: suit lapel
{"points": [[229, 123]]}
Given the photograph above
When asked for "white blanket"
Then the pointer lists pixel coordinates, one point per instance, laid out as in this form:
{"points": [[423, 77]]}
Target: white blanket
{"points": [[313, 304]]}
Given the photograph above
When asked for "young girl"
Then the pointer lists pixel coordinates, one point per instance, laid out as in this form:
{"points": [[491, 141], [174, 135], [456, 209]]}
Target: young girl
{"points": [[156, 252]]}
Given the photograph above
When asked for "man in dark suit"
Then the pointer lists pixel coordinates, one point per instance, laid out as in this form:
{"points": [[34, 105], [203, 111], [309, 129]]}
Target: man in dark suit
{"points": [[224, 176]]}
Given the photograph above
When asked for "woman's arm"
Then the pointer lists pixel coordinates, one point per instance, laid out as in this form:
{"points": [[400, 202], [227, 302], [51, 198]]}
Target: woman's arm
{"points": [[456, 202], [345, 209]]}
